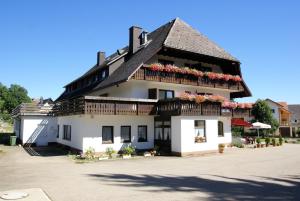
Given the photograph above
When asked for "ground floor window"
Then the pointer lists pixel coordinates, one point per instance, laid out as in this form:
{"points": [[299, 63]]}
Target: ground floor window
{"points": [[200, 134], [107, 135], [67, 132], [142, 133], [125, 134], [220, 129]]}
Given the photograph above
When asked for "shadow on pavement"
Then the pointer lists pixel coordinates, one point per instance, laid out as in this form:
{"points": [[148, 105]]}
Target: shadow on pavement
{"points": [[46, 151], [230, 189]]}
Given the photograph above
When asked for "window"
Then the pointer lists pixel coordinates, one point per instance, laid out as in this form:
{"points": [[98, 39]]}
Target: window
{"points": [[67, 132], [107, 135], [166, 94], [125, 134], [142, 133], [200, 134], [220, 129], [165, 62], [57, 134], [273, 110], [162, 130]]}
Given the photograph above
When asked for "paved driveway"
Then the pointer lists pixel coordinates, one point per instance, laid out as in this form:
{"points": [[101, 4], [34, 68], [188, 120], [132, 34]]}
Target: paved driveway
{"points": [[243, 174]]}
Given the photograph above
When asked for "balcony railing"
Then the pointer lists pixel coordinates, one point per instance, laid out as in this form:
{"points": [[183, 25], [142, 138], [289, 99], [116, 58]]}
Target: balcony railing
{"points": [[145, 73], [187, 108], [127, 106]]}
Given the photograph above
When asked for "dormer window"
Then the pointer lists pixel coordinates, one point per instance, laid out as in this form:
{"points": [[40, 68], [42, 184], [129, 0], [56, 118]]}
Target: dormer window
{"points": [[103, 74]]}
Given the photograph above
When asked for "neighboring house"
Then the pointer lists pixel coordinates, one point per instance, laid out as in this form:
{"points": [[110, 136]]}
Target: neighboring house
{"points": [[34, 123], [138, 96], [295, 119], [282, 114]]}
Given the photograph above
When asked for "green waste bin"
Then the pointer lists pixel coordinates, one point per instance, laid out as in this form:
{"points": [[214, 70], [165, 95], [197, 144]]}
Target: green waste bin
{"points": [[13, 140]]}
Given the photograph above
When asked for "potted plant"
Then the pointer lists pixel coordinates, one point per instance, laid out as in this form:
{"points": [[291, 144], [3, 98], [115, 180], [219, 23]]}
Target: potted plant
{"points": [[280, 140], [267, 140], [110, 152], [90, 153], [273, 142], [258, 141], [221, 148], [127, 152]]}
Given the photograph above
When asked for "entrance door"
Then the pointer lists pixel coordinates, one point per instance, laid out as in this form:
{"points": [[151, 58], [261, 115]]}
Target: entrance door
{"points": [[162, 135]]}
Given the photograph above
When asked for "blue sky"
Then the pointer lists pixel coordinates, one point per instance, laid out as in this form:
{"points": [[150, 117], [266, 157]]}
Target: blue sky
{"points": [[46, 44]]}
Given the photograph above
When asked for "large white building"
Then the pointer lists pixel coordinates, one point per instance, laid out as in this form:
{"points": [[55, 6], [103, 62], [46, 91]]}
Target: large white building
{"points": [[170, 88]]}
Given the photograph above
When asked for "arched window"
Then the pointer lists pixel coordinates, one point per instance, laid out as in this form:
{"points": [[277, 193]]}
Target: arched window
{"points": [[220, 129]]}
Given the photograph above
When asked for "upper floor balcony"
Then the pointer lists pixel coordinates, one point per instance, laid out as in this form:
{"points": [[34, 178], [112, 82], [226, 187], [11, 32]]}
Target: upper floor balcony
{"points": [[93, 105], [186, 76]]}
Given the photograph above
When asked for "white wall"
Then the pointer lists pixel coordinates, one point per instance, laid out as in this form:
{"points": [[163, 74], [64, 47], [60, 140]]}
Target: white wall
{"points": [[274, 107], [139, 89], [183, 133], [38, 129], [87, 131]]}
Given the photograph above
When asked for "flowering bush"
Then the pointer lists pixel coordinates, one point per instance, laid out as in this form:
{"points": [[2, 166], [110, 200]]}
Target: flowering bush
{"points": [[229, 104], [157, 67], [211, 75], [199, 99]]}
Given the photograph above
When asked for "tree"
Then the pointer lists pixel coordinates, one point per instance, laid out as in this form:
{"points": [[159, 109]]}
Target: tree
{"points": [[10, 98], [263, 113]]}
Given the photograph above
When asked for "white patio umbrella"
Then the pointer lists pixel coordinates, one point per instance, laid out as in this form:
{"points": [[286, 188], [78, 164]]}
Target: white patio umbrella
{"points": [[257, 125]]}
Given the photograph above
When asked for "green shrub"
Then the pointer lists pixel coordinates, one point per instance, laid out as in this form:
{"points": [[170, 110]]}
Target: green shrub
{"points": [[110, 151], [281, 140], [237, 144], [90, 153], [273, 141], [128, 150], [267, 140], [258, 140]]}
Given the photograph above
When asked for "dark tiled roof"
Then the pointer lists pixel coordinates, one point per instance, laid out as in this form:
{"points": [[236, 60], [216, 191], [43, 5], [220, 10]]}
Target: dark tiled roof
{"points": [[295, 110], [175, 34], [123, 73], [183, 37]]}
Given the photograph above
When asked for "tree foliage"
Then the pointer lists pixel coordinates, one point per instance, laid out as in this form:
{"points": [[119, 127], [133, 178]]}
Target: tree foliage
{"points": [[263, 113], [10, 98]]}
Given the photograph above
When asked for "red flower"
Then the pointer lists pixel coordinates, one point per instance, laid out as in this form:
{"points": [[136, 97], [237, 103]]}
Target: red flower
{"points": [[236, 78]]}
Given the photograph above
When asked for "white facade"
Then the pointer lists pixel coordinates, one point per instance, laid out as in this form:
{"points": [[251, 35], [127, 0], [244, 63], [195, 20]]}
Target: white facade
{"points": [[183, 134], [139, 89], [87, 131], [39, 130]]}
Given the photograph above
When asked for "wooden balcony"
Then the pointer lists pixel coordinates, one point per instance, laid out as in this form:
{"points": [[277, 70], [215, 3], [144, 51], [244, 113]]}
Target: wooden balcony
{"points": [[187, 108], [126, 106], [145, 73], [105, 106]]}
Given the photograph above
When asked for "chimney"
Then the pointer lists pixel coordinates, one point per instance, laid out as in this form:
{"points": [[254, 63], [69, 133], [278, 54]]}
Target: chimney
{"points": [[134, 39], [100, 58]]}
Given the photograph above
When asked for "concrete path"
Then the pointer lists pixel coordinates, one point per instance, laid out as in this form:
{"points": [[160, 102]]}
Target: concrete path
{"points": [[240, 174]]}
